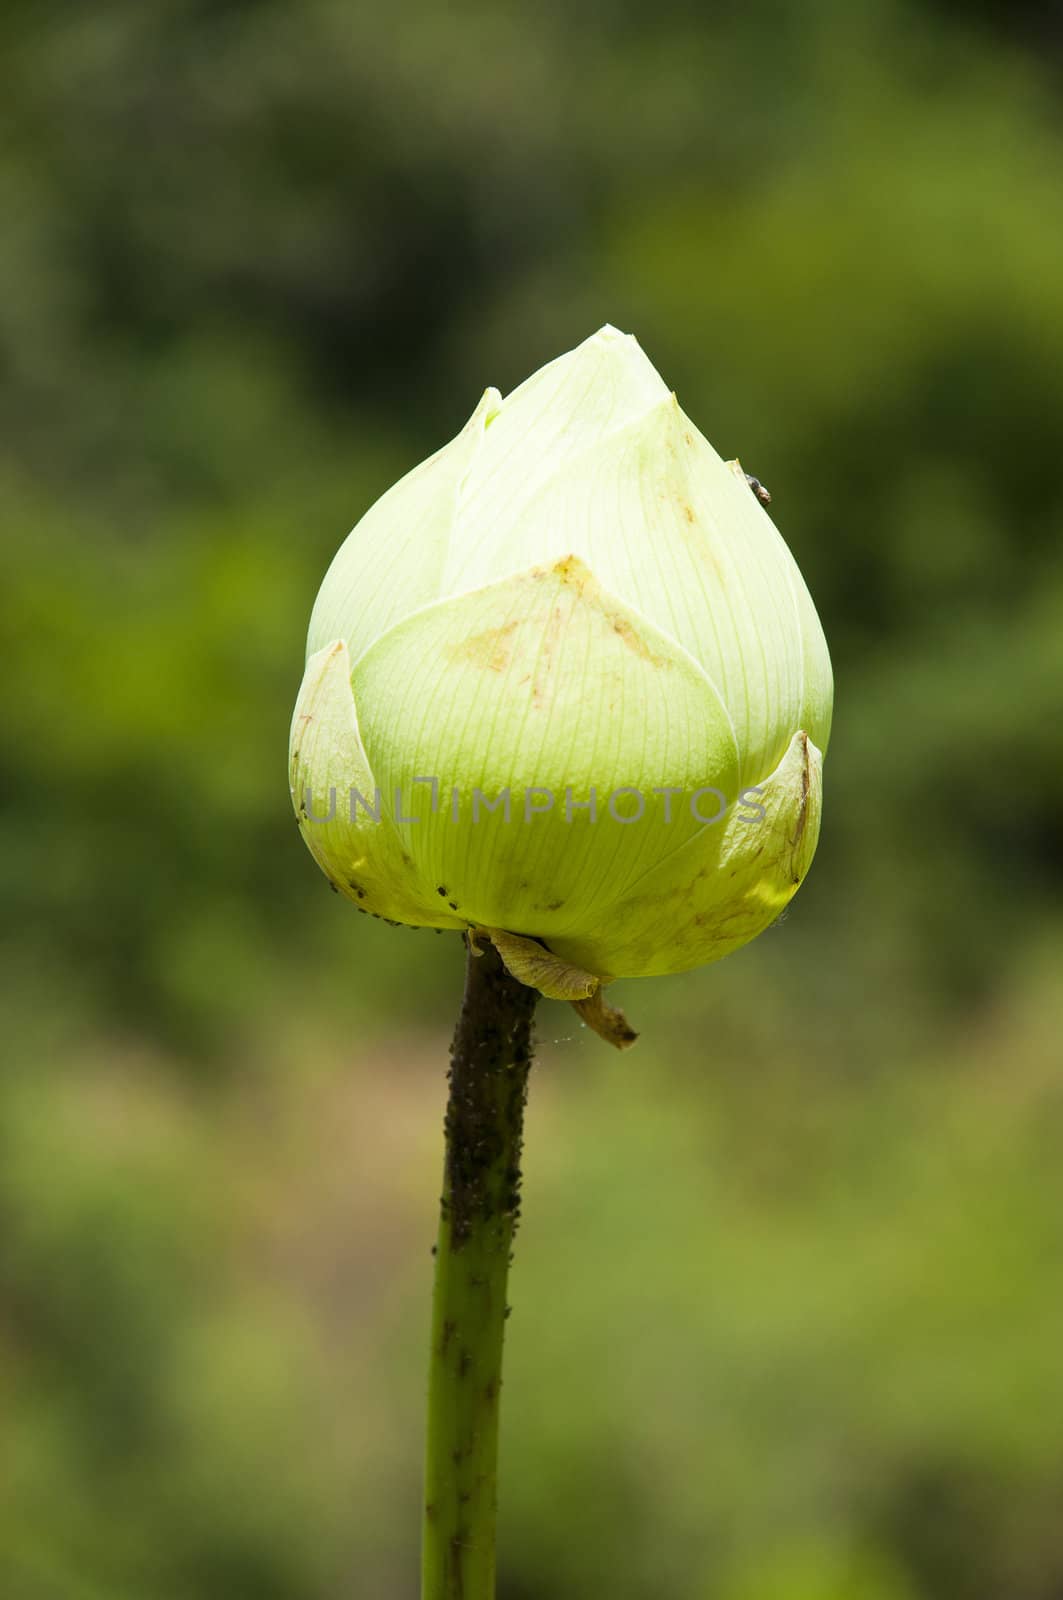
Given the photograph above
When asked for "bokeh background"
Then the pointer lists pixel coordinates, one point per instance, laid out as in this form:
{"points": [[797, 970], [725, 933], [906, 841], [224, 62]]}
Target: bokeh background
{"points": [[789, 1290]]}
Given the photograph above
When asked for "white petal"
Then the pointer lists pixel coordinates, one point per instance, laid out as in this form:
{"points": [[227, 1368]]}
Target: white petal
{"points": [[565, 409], [671, 529]]}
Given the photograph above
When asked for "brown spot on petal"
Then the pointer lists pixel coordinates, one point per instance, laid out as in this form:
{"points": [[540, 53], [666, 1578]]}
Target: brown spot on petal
{"points": [[628, 635], [573, 571], [802, 814], [493, 648]]}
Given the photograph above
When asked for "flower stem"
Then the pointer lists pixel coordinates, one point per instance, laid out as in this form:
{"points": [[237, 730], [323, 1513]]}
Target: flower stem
{"points": [[489, 1063]]}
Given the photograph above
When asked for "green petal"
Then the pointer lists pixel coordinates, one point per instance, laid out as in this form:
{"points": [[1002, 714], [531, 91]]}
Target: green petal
{"points": [[362, 858], [674, 531], [543, 681], [393, 560], [722, 889]]}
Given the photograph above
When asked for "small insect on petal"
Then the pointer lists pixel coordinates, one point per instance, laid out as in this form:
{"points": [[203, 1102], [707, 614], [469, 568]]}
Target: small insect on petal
{"points": [[758, 489]]}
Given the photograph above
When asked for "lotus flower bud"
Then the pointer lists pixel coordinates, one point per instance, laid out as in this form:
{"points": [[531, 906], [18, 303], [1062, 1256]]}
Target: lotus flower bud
{"points": [[565, 685]]}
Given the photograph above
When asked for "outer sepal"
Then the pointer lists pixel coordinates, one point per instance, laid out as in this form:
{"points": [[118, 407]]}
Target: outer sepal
{"points": [[721, 889], [363, 858]]}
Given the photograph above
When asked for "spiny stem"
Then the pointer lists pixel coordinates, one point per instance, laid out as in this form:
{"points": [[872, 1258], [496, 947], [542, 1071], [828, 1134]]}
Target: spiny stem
{"points": [[489, 1063]]}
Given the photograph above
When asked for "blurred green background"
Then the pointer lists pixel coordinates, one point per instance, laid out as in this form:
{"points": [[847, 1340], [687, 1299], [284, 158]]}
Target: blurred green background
{"points": [[789, 1286]]}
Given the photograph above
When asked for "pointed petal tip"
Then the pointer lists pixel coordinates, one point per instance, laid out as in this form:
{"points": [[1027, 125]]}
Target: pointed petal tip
{"points": [[488, 406], [486, 409], [613, 338]]}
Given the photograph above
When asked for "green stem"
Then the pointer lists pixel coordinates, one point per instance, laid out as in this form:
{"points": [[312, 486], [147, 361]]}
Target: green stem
{"points": [[489, 1063]]}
